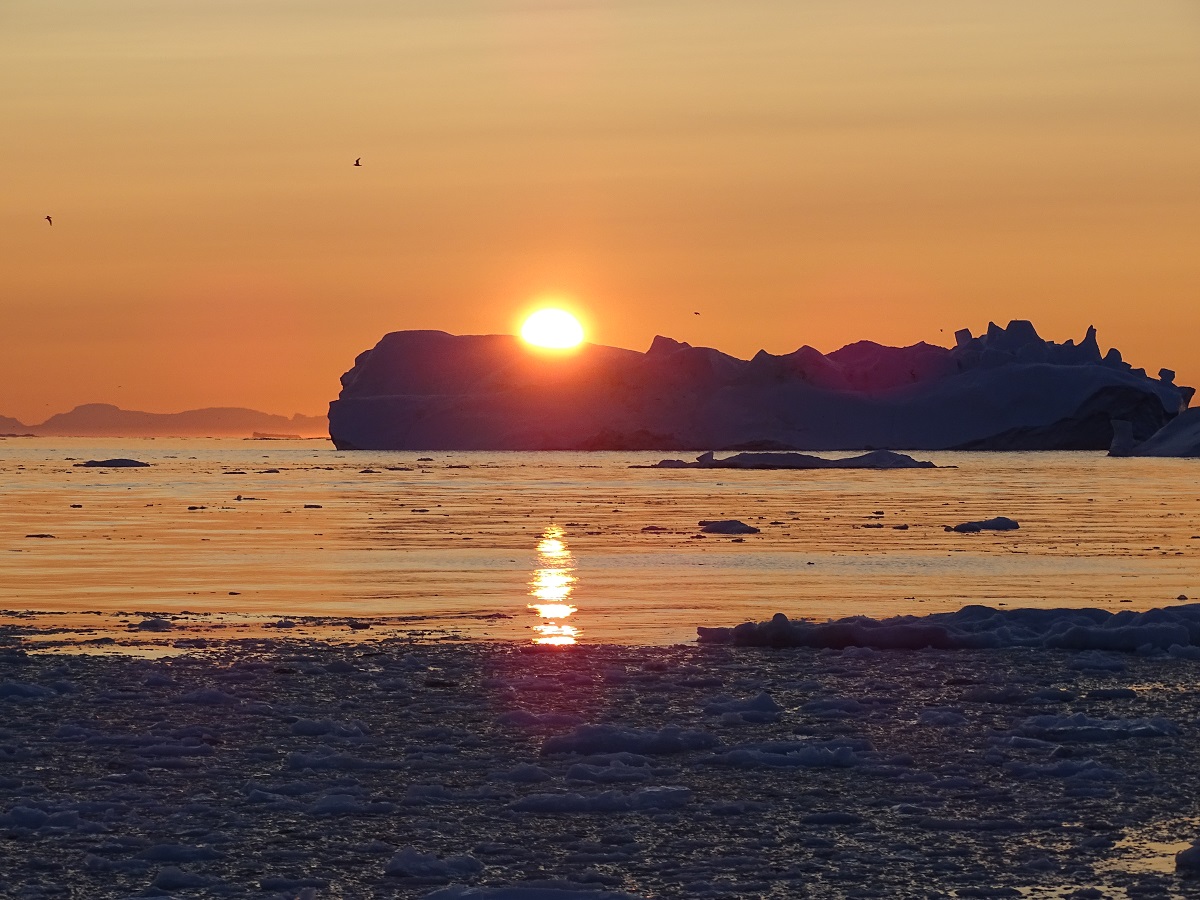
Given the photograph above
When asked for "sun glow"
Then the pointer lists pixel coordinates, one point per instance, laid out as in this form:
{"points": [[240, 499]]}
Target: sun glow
{"points": [[555, 329]]}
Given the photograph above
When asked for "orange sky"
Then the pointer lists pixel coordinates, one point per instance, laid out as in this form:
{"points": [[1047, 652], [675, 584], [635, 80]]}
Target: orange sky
{"points": [[800, 171]]}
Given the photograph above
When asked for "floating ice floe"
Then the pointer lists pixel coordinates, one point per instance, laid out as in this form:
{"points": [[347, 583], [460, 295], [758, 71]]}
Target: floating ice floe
{"points": [[999, 523], [726, 526], [412, 863], [644, 800], [876, 459], [117, 463], [524, 892], [589, 739], [838, 754], [1187, 862], [758, 709], [1081, 727]]}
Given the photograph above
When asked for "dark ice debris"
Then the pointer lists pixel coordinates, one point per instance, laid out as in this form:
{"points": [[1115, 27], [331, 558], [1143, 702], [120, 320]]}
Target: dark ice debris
{"points": [[119, 463], [999, 523]]}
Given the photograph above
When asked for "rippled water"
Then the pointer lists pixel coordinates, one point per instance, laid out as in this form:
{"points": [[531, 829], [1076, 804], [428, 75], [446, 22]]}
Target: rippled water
{"points": [[554, 546]]}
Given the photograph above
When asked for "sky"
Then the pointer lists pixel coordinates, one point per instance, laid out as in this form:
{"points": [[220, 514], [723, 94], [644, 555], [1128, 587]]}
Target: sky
{"points": [[797, 171]]}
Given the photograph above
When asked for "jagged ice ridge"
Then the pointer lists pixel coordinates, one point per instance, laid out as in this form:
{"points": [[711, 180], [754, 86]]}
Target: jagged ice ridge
{"points": [[1007, 389]]}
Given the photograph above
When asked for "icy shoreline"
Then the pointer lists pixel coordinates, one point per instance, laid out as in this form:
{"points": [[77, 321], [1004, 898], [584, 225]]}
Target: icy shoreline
{"points": [[272, 768], [1170, 630]]}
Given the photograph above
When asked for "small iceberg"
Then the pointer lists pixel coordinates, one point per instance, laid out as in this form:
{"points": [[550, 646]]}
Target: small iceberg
{"points": [[112, 464], [876, 459]]}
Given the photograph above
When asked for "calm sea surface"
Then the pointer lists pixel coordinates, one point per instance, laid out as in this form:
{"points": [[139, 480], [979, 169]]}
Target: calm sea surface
{"points": [[569, 546]]}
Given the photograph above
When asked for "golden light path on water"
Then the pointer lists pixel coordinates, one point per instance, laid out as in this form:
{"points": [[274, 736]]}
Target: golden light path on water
{"points": [[551, 586], [227, 536]]}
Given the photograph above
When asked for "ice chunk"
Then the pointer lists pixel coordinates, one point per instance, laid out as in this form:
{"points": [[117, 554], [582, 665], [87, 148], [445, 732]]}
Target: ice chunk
{"points": [[1187, 862], [117, 463], [208, 697], [172, 878], [941, 717], [759, 709], [999, 523], [526, 772], [837, 754], [412, 863], [177, 853], [1081, 727], [15, 690], [651, 798], [154, 624], [614, 739], [349, 805], [526, 893], [876, 459], [726, 526]]}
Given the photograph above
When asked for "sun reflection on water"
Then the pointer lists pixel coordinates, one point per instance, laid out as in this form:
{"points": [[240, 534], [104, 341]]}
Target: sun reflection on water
{"points": [[551, 586]]}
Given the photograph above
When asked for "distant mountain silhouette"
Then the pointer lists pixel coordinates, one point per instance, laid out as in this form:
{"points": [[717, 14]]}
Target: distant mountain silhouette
{"points": [[106, 420], [12, 426]]}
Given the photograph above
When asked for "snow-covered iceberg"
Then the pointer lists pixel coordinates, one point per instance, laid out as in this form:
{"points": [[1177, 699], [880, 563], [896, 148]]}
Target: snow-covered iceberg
{"points": [[1007, 389]]}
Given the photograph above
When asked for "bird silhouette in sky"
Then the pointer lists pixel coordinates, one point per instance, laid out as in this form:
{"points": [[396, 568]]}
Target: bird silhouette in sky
{"points": [[50, 220], [358, 162], [695, 314]]}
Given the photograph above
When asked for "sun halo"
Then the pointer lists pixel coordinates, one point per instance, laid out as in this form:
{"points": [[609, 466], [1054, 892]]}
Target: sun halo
{"points": [[552, 329]]}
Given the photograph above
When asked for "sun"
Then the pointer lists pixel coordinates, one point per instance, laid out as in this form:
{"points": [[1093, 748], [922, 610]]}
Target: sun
{"points": [[556, 329]]}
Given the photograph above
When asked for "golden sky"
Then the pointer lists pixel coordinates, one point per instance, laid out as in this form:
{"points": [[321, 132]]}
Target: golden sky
{"points": [[797, 171]]}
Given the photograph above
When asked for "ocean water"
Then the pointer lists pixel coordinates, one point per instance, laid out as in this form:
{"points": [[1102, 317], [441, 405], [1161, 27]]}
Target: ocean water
{"points": [[563, 547]]}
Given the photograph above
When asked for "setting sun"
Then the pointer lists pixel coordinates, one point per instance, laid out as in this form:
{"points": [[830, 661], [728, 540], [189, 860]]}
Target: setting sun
{"points": [[553, 328]]}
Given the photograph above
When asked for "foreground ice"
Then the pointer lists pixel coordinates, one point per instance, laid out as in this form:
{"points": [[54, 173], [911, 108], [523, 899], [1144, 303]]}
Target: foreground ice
{"points": [[287, 769], [1172, 630]]}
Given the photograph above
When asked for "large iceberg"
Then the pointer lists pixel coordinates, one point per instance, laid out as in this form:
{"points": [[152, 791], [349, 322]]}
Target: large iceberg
{"points": [[1007, 389]]}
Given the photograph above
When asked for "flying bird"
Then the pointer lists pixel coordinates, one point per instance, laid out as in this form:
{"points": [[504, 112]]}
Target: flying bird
{"points": [[50, 220], [358, 162], [695, 314]]}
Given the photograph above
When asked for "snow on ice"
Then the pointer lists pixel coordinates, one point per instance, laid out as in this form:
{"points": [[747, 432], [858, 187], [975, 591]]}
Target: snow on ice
{"points": [[982, 753]]}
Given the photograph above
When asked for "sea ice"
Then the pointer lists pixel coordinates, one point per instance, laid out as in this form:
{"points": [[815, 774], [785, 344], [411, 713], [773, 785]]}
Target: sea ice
{"points": [[613, 739], [1080, 727], [525, 893], [412, 863], [646, 799], [1029, 774], [979, 627]]}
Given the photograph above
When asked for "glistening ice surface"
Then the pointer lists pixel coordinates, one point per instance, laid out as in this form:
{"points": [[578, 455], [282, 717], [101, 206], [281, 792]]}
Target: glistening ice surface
{"points": [[395, 769], [243, 532]]}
